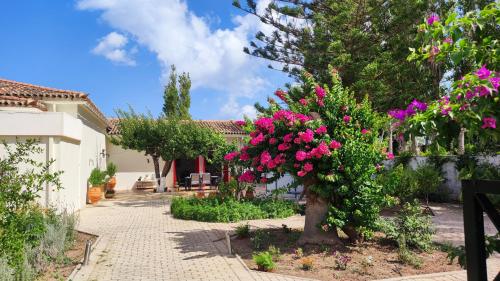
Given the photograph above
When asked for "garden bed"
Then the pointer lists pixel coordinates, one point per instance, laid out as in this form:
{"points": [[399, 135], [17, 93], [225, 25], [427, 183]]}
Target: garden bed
{"points": [[72, 258], [231, 210], [371, 260]]}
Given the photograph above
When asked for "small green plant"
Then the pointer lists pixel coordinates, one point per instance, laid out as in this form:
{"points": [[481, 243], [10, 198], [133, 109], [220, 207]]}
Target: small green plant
{"points": [[399, 182], [243, 231], [411, 227], [260, 239], [285, 228], [275, 252], [408, 257], [264, 261], [97, 177], [307, 263], [428, 180], [299, 253], [111, 169]]}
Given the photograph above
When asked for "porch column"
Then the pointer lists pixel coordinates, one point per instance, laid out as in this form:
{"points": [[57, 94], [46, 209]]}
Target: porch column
{"points": [[225, 173], [174, 171]]}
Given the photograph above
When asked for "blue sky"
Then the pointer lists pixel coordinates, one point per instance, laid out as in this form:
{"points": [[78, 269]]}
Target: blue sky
{"points": [[120, 51]]}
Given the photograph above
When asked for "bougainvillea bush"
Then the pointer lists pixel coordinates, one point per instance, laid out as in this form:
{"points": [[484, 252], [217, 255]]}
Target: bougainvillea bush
{"points": [[468, 47], [329, 143]]}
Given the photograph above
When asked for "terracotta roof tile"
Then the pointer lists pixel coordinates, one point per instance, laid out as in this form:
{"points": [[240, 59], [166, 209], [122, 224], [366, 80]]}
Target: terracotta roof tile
{"points": [[9, 101], [225, 127], [12, 89]]}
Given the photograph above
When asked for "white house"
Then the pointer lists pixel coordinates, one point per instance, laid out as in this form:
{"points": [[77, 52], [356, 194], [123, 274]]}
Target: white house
{"points": [[75, 133], [70, 128]]}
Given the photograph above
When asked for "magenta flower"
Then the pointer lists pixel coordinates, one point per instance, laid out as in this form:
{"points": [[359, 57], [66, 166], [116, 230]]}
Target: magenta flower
{"points": [[260, 168], [307, 136], [230, 156], [271, 164], [265, 157], [300, 155], [422, 106], [284, 146], [398, 114], [303, 102], [288, 137], [272, 140], [244, 156], [483, 91], [448, 40], [483, 72], [495, 82], [265, 124], [296, 165], [321, 130], [247, 176], [346, 118], [489, 122], [469, 95], [258, 139], [308, 167], [335, 144], [445, 110], [320, 102], [323, 149], [240, 123], [281, 95], [263, 180], [432, 19], [301, 173], [364, 131], [320, 92], [297, 140], [390, 156], [303, 118]]}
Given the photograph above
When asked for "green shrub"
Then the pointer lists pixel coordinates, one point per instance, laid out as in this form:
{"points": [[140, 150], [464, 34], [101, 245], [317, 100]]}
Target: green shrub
{"points": [[260, 239], [411, 229], [111, 169], [6, 272], [264, 261], [428, 179], [97, 177], [275, 252], [230, 210], [399, 182], [243, 231]]}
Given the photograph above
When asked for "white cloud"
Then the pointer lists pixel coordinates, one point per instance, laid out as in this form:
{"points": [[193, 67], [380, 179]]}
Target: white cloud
{"points": [[112, 46], [213, 57]]}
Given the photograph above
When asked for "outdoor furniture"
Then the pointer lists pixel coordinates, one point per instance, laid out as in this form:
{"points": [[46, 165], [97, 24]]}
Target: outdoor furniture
{"points": [[205, 179], [194, 179], [214, 181], [145, 184]]}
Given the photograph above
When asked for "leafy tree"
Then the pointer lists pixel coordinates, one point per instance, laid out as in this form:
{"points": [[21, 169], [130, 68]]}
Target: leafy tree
{"points": [[367, 41], [329, 143], [167, 139], [177, 100]]}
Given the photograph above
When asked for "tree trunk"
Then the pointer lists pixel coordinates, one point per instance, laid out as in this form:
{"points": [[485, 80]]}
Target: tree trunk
{"points": [[414, 148], [166, 168], [352, 233], [316, 210], [156, 163], [461, 142]]}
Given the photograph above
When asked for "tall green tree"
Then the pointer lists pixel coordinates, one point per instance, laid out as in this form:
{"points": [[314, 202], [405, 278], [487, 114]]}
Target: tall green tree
{"points": [[176, 96], [366, 40], [167, 139]]}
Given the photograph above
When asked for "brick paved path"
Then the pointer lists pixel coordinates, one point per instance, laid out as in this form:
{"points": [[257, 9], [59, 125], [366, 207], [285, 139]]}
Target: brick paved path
{"points": [[139, 240]]}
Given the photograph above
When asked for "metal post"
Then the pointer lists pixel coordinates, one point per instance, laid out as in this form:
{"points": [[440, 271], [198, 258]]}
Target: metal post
{"points": [[88, 248], [474, 234]]}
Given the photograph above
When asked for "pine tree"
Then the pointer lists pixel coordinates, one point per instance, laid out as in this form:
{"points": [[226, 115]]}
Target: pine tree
{"points": [[184, 96], [176, 96]]}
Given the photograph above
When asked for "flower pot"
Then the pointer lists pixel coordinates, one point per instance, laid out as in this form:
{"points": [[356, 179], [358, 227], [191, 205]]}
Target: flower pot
{"points": [[95, 193], [109, 194], [111, 183], [249, 195]]}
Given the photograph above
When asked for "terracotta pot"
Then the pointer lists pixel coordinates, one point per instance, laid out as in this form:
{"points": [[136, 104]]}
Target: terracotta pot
{"points": [[109, 194], [111, 183], [95, 193], [249, 195]]}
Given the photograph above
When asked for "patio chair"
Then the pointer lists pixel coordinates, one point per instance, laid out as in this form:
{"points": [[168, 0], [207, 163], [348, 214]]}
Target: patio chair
{"points": [[205, 179], [195, 179]]}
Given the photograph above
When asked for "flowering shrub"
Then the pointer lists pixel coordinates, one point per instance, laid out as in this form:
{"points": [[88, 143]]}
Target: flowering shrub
{"points": [[327, 142], [473, 101]]}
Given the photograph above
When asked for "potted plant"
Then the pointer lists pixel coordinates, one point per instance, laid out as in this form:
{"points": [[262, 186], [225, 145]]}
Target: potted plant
{"points": [[111, 171], [110, 193], [96, 180]]}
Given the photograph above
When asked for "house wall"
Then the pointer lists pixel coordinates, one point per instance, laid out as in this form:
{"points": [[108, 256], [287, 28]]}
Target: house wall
{"points": [[74, 143]]}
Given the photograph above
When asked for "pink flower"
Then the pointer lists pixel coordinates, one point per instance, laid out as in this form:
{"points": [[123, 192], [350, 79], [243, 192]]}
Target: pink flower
{"points": [[263, 180], [308, 167], [321, 130], [265, 157], [335, 144], [300, 155], [301, 173], [432, 19], [297, 140], [296, 165], [320, 92], [258, 139], [288, 137], [483, 72], [495, 82], [240, 123], [323, 149], [307, 136], [303, 118], [346, 118], [390, 156], [230, 156], [281, 95], [448, 40], [469, 95], [272, 140], [303, 102], [260, 168], [271, 164], [247, 176], [489, 122], [284, 146], [320, 102], [244, 156], [364, 131]]}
